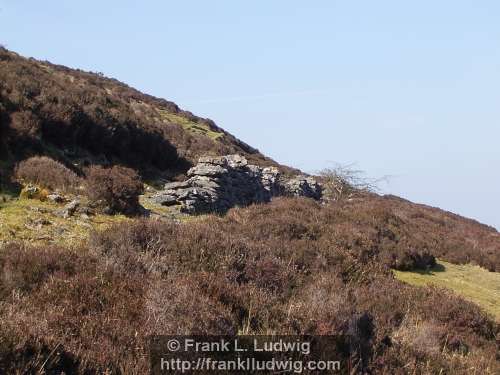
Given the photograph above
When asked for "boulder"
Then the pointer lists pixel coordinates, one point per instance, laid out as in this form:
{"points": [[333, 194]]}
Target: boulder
{"points": [[69, 210], [164, 199], [55, 198]]}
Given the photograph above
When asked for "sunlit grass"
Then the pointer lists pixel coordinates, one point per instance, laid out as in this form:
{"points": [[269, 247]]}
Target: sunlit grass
{"points": [[193, 127], [35, 222], [471, 282]]}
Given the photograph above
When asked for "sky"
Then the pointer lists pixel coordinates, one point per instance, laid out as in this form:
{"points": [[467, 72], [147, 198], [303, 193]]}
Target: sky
{"points": [[409, 90]]}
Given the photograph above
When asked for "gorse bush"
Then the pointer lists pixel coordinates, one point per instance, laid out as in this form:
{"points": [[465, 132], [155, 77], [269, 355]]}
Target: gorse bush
{"points": [[46, 172], [116, 188]]}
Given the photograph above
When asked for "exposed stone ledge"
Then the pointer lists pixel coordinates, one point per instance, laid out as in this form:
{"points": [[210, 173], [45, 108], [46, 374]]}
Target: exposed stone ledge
{"points": [[216, 184]]}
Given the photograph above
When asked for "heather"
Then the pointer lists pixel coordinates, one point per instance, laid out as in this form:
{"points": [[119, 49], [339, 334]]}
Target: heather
{"points": [[291, 267], [84, 117]]}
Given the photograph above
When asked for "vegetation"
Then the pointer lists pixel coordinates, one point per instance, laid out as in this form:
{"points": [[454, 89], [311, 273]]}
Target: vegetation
{"points": [[93, 118], [471, 282], [48, 173], [256, 270], [35, 222], [343, 182], [81, 292], [117, 188], [190, 125]]}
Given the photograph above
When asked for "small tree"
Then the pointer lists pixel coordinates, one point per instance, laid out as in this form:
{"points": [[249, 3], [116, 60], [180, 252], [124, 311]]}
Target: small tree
{"points": [[117, 188], [343, 182]]}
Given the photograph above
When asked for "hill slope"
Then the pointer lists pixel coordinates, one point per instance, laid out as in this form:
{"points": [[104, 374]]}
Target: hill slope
{"points": [[82, 292], [85, 117]]}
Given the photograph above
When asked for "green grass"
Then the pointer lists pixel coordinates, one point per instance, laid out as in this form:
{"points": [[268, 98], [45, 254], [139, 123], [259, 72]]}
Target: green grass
{"points": [[189, 125], [35, 222], [471, 282]]}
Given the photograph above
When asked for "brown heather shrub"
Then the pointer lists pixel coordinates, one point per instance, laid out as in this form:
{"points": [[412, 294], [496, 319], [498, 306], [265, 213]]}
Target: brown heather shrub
{"points": [[117, 188], [240, 273], [178, 306], [48, 173], [72, 315], [21, 271], [25, 124]]}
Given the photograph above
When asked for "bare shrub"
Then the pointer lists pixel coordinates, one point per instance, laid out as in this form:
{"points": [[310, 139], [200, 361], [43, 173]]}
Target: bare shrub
{"points": [[343, 182], [118, 188], [47, 172], [423, 337]]}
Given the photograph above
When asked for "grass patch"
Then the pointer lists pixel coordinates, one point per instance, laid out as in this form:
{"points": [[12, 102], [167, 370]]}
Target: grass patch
{"points": [[471, 282], [35, 222], [191, 126]]}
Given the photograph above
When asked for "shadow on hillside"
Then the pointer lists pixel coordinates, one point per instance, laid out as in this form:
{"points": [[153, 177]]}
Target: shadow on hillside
{"points": [[436, 269], [123, 141]]}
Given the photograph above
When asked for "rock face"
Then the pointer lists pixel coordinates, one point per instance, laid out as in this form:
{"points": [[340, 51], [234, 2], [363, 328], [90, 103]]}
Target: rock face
{"points": [[216, 184]]}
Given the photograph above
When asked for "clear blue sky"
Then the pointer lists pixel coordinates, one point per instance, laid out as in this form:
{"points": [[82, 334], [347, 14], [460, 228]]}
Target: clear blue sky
{"points": [[403, 88]]}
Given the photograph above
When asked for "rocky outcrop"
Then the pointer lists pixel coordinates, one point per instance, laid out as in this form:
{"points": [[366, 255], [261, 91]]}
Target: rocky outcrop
{"points": [[216, 184], [303, 186]]}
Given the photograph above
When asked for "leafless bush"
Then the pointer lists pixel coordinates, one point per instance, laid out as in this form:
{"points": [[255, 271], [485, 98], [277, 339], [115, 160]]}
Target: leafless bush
{"points": [[343, 182]]}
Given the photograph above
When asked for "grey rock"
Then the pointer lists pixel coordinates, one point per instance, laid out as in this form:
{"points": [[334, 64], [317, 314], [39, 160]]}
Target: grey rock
{"points": [[31, 190], [55, 198], [236, 161], [216, 160], [204, 181], [303, 186], [72, 206], [164, 199], [207, 170], [218, 183], [176, 185], [69, 209]]}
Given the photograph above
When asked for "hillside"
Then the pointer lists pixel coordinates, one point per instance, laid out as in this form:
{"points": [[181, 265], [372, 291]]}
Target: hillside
{"points": [[96, 253], [81, 117]]}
